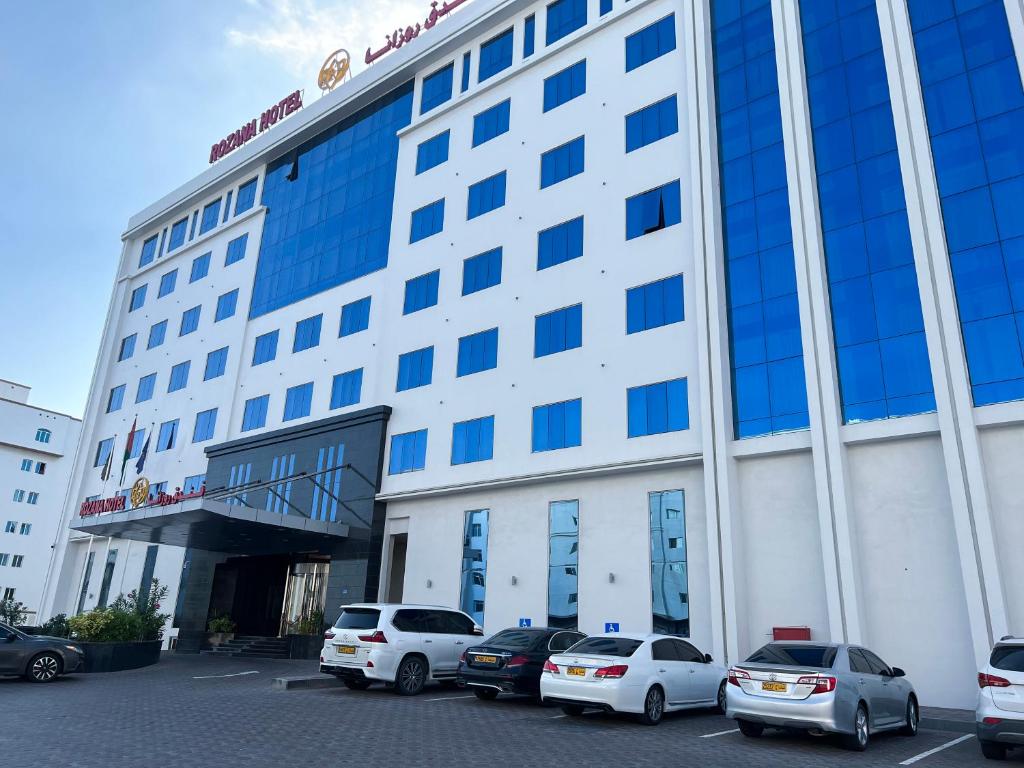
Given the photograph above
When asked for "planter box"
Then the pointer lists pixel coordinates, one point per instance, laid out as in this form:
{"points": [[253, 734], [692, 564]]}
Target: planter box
{"points": [[305, 646], [114, 657]]}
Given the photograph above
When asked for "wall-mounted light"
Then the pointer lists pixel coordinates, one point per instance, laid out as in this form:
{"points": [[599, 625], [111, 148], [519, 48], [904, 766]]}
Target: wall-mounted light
{"points": [[514, 581], [429, 583], [611, 578]]}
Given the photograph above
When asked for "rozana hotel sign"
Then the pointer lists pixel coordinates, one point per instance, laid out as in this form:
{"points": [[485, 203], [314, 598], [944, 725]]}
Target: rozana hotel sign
{"points": [[270, 116]]}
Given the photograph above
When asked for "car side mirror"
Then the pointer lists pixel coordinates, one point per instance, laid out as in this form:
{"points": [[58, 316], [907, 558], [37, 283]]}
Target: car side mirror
{"points": [[707, 658], [897, 672], [478, 631]]}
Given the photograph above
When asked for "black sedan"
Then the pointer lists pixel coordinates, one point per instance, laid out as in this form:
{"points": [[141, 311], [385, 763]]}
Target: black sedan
{"points": [[40, 659], [512, 660]]}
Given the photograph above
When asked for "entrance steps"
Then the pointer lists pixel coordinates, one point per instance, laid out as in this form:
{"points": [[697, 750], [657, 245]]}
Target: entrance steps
{"points": [[251, 646]]}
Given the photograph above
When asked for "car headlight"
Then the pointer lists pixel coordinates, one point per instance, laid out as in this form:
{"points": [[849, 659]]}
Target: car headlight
{"points": [[73, 648]]}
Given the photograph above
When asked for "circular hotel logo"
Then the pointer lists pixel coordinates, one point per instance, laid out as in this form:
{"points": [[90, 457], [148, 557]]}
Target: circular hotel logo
{"points": [[335, 69], [140, 492]]}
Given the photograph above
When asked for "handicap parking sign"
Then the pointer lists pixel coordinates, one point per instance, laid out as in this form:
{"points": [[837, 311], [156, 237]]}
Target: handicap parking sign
{"points": [[525, 622], [611, 626]]}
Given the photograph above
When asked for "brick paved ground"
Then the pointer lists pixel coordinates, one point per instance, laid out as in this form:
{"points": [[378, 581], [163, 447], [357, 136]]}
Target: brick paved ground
{"points": [[164, 716]]}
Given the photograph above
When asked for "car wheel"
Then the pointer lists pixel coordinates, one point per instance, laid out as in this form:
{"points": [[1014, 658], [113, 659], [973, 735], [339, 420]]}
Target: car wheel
{"points": [[486, 694], [913, 718], [858, 740], [721, 698], [572, 710], [412, 674], [749, 729], [356, 685], [993, 750], [654, 706], [44, 668]]}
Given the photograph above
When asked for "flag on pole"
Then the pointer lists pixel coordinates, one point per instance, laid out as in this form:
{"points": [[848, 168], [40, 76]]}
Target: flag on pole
{"points": [[145, 452], [128, 449], [108, 465]]}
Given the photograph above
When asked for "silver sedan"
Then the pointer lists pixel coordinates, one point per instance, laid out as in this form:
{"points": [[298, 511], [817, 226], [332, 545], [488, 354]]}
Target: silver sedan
{"points": [[821, 688]]}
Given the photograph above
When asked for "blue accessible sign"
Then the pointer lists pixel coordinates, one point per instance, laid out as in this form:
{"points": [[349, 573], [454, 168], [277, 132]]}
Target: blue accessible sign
{"points": [[611, 626], [526, 622]]}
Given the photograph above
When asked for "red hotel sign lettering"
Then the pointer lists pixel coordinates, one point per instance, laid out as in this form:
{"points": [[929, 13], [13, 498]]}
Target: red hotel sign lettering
{"points": [[99, 506], [250, 130]]}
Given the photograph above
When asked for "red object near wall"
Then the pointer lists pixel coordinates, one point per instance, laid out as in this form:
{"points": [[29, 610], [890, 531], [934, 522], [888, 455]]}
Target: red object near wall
{"points": [[791, 633]]}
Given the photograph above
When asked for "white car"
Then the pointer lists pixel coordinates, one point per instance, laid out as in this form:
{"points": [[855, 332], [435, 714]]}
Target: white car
{"points": [[1000, 712], [403, 645], [645, 675]]}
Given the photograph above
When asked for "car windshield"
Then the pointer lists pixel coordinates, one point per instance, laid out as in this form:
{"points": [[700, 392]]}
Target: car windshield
{"points": [[606, 646], [817, 656], [513, 639], [1008, 657], [358, 618]]}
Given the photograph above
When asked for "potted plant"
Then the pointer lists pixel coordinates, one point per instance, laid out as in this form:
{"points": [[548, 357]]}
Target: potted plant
{"points": [[305, 636], [126, 635], [221, 629]]}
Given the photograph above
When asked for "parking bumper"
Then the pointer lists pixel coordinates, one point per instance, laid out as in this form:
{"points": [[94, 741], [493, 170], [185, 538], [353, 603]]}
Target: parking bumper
{"points": [[1005, 731], [812, 713]]}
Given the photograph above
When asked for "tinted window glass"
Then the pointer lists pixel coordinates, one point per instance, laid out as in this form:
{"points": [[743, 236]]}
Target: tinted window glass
{"points": [[607, 646], [820, 656], [515, 639], [664, 650], [358, 618], [687, 652], [1008, 657], [878, 667], [857, 662], [407, 621], [562, 640], [457, 624]]}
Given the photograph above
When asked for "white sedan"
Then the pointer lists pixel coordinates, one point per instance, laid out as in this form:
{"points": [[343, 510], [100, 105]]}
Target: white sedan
{"points": [[645, 675]]}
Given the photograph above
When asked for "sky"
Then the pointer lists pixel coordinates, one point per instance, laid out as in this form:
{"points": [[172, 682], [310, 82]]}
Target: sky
{"points": [[111, 105]]}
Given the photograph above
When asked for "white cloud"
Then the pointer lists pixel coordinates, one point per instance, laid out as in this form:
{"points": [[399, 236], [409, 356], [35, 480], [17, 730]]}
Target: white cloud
{"points": [[299, 34]]}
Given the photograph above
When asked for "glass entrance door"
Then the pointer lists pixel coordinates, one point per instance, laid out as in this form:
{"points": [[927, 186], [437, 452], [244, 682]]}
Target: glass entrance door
{"points": [[305, 591]]}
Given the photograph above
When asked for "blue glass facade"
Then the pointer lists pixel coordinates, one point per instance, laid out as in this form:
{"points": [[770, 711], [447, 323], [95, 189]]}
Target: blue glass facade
{"points": [[246, 197], [486, 195], [481, 271], [557, 426], [432, 152], [265, 348], [415, 369], [179, 376], [654, 305], [330, 203], [254, 415], [473, 440], [216, 361], [200, 267], [529, 33], [495, 56], [189, 320], [145, 389], [346, 388], [408, 452], [148, 251], [297, 401], [560, 243], [563, 18], [226, 304], [654, 41], [558, 331], [562, 162], [355, 317], [420, 292], [426, 221], [881, 354], [211, 215], [766, 356], [565, 85], [178, 232], [167, 283], [653, 210], [478, 352], [307, 333], [157, 334], [491, 122], [974, 104], [206, 423], [437, 88], [651, 123], [236, 250], [658, 408]]}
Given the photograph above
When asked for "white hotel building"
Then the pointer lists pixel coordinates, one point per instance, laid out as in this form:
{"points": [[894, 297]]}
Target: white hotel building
{"points": [[693, 315]]}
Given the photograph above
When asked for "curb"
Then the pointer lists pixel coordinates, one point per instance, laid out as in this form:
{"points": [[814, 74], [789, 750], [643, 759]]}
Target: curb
{"points": [[950, 726], [305, 683]]}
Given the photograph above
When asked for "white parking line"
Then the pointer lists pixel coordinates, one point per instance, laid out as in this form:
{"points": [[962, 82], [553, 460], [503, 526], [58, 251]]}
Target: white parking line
{"points": [[556, 717], [233, 674], [939, 748], [720, 733], [452, 698]]}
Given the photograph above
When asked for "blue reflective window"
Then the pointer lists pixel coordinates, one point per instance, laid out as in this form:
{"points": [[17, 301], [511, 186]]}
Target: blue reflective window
{"points": [[137, 441], [437, 88], [163, 239], [473, 440], [189, 320], [307, 333], [211, 214], [157, 334], [226, 304], [145, 389], [138, 298], [127, 348], [558, 331], [605, 7], [236, 250], [432, 152], [408, 452], [486, 195], [346, 388], [495, 55], [765, 353], [227, 207], [478, 352], [653, 210], [192, 227], [651, 123], [329, 205], [529, 32], [873, 287], [115, 399], [427, 221], [491, 122], [200, 267], [658, 408], [297, 401], [481, 271], [265, 348], [558, 425], [355, 317], [178, 232], [467, 59], [974, 104], [651, 42], [179, 376], [216, 362], [560, 243], [166, 436], [655, 304], [167, 283], [415, 369], [206, 423], [564, 17], [148, 252], [562, 162], [565, 85], [421, 292], [246, 197], [254, 415], [103, 451]]}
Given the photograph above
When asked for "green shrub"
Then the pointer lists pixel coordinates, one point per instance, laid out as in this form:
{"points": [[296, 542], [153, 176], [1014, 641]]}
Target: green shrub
{"points": [[221, 623], [13, 612], [56, 627], [129, 618]]}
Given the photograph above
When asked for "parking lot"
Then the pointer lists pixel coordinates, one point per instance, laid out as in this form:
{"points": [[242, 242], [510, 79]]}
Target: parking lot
{"points": [[201, 711]]}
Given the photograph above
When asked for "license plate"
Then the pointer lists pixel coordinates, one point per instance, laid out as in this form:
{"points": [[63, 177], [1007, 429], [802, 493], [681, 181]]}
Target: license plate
{"points": [[576, 671], [773, 687], [347, 649], [486, 659]]}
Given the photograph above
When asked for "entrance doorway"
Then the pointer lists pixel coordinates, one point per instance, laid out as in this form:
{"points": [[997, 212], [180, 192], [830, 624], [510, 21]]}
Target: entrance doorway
{"points": [[396, 571], [304, 596], [251, 591]]}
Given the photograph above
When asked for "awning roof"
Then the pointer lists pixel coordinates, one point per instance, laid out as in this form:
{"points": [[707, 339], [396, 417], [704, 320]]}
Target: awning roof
{"points": [[203, 523]]}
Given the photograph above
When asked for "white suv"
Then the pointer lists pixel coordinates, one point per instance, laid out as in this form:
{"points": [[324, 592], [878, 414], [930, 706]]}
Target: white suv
{"points": [[1000, 713], [404, 645]]}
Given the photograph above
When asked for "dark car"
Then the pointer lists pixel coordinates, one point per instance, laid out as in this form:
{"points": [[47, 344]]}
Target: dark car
{"points": [[512, 660], [38, 658]]}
